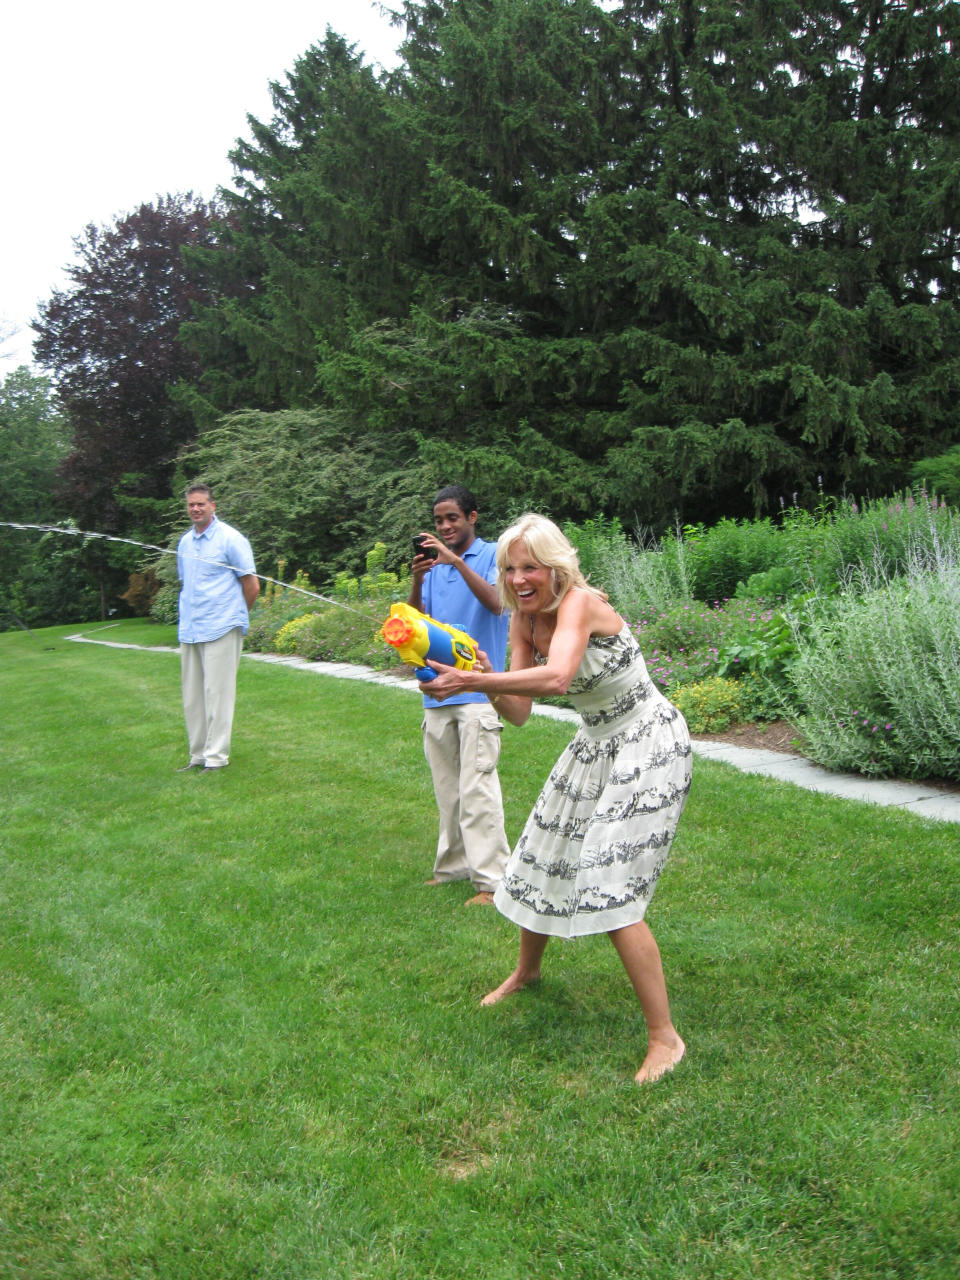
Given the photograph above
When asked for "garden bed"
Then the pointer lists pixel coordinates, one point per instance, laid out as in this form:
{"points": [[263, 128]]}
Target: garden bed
{"points": [[775, 735]]}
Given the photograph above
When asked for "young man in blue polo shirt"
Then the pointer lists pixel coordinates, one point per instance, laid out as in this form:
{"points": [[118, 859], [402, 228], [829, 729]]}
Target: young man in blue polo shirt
{"points": [[218, 585], [455, 582]]}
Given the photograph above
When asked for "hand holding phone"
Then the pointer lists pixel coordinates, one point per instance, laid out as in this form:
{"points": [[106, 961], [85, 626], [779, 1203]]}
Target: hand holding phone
{"points": [[420, 548]]}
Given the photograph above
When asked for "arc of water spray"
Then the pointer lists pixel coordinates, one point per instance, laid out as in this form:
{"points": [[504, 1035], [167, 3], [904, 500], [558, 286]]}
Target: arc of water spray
{"points": [[166, 551]]}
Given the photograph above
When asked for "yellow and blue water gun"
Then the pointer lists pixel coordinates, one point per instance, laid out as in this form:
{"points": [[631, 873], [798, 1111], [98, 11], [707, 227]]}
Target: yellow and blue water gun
{"points": [[418, 638]]}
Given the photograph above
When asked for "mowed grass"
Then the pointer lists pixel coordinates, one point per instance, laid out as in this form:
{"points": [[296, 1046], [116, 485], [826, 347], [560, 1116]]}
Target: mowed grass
{"points": [[240, 1040]]}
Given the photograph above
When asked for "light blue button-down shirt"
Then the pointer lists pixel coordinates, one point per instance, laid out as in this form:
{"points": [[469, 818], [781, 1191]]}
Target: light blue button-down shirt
{"points": [[210, 565], [446, 597]]}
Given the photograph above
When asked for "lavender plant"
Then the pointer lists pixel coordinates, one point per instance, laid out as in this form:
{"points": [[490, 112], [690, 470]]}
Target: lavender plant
{"points": [[645, 577], [880, 682]]}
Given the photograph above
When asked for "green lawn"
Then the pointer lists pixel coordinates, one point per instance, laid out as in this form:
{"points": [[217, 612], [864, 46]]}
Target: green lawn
{"points": [[240, 1040]]}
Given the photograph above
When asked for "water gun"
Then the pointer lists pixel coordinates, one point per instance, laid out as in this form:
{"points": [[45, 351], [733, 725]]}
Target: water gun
{"points": [[418, 637]]}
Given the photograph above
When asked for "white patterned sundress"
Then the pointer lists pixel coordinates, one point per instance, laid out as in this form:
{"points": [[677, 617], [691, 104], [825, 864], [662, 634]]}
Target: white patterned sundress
{"points": [[599, 834]]}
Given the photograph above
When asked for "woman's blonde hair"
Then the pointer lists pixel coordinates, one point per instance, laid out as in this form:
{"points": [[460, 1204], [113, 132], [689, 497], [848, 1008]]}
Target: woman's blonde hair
{"points": [[549, 547]]}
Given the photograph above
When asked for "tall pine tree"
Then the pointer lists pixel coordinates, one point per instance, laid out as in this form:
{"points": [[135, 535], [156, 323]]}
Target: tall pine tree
{"points": [[655, 259], [318, 238]]}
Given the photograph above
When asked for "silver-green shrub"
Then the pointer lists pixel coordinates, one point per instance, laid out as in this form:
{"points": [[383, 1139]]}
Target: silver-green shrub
{"points": [[879, 679], [645, 577]]}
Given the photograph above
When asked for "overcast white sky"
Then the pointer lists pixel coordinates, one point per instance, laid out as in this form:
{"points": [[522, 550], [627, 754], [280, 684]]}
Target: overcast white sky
{"points": [[110, 103]]}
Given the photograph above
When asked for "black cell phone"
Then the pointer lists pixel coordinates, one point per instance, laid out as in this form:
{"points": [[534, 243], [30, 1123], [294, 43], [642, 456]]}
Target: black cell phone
{"points": [[420, 548]]}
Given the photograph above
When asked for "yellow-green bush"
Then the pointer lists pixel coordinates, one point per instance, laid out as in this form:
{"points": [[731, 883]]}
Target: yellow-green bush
{"points": [[711, 705], [332, 635], [289, 635]]}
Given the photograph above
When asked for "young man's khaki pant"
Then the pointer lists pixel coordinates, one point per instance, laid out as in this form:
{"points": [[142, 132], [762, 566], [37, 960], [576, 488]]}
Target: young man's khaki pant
{"points": [[208, 673], [462, 747]]}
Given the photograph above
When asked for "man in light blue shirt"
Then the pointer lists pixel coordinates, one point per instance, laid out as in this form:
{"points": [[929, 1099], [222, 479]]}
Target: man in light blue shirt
{"points": [[218, 586], [454, 580]]}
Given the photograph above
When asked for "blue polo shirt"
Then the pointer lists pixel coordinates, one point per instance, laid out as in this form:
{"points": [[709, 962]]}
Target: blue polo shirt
{"points": [[446, 597], [210, 565]]}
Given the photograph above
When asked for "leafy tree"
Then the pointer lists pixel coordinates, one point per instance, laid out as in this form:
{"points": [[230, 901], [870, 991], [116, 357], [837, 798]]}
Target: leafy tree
{"points": [[33, 443], [306, 491], [111, 344], [41, 577]]}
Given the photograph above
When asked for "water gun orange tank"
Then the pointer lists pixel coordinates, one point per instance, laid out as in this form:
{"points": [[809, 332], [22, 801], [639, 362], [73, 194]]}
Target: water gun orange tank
{"points": [[418, 638]]}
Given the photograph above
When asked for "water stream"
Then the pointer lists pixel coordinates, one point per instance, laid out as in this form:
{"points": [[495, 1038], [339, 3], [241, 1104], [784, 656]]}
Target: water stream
{"points": [[166, 551]]}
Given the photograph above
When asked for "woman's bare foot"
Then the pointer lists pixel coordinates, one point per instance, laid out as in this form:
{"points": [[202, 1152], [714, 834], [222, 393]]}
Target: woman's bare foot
{"points": [[662, 1056], [482, 899], [516, 982]]}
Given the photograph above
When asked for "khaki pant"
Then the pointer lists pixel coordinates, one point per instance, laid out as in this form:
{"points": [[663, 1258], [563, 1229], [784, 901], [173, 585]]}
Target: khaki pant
{"points": [[462, 747], [208, 673]]}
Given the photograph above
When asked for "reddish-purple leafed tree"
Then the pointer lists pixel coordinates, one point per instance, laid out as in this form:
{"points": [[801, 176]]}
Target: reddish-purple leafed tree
{"points": [[111, 345]]}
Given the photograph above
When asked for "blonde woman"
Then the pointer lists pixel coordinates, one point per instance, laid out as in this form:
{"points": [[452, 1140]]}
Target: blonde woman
{"points": [[599, 834]]}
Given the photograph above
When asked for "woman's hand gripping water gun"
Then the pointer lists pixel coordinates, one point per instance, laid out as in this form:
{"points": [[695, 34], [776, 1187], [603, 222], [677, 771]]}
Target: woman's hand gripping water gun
{"points": [[420, 639]]}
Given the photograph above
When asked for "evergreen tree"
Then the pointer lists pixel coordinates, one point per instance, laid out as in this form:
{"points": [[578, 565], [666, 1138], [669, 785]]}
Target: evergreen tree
{"points": [[510, 104], [758, 365], [882, 152], [656, 259], [318, 239]]}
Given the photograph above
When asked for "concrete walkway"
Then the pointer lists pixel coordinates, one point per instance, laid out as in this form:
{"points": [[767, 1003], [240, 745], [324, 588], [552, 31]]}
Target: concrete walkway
{"points": [[925, 801]]}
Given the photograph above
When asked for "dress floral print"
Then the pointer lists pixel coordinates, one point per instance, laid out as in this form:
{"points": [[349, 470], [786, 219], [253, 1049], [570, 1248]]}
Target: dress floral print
{"points": [[598, 837]]}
